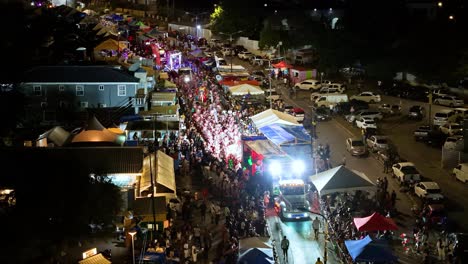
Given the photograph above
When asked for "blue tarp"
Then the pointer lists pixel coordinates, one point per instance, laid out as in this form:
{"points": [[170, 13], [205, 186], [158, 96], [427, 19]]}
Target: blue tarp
{"points": [[368, 250], [281, 134], [257, 256]]}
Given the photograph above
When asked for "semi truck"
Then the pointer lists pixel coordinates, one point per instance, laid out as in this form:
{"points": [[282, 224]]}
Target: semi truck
{"points": [[292, 200]]}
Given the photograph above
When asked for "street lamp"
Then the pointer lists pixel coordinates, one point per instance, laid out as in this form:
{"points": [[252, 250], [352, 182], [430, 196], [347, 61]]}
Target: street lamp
{"points": [[440, 4], [321, 77], [196, 19], [230, 41], [118, 42], [132, 234]]}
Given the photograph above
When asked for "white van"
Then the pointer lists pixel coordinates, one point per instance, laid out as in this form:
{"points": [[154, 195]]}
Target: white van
{"points": [[461, 172], [331, 99], [442, 117]]}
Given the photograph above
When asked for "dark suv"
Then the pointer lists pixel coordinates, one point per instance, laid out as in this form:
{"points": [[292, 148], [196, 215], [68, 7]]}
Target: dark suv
{"points": [[416, 112]]}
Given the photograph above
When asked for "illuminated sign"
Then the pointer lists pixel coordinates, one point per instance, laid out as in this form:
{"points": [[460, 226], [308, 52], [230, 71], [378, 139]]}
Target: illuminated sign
{"points": [[89, 253]]}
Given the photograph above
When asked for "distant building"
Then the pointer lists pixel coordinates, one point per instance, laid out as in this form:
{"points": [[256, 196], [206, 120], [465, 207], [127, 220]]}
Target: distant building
{"points": [[57, 89], [425, 9]]}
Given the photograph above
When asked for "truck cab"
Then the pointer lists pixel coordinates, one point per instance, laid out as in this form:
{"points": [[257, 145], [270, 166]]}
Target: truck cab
{"points": [[292, 200]]}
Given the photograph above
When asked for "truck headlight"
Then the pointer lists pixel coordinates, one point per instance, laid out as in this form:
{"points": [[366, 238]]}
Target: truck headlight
{"points": [[289, 215]]}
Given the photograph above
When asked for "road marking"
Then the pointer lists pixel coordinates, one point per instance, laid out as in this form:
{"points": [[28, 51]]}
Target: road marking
{"points": [[343, 127]]}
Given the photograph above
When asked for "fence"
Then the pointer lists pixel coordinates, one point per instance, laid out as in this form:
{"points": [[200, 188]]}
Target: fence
{"points": [[451, 158]]}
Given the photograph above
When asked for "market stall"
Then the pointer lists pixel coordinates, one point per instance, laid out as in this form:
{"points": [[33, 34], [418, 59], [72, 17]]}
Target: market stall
{"points": [[341, 179]]}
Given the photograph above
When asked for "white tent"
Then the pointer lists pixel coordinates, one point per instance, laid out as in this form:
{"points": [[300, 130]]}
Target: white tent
{"points": [[271, 116], [254, 242], [264, 147], [341, 179], [163, 169], [243, 89]]}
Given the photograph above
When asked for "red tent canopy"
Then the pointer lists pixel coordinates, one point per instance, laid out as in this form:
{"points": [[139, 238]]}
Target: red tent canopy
{"points": [[375, 222], [282, 65], [233, 83]]}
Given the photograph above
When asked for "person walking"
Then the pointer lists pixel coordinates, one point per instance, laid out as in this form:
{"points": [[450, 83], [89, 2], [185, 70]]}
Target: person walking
{"points": [[203, 212], [285, 247], [318, 261], [440, 249], [316, 225]]}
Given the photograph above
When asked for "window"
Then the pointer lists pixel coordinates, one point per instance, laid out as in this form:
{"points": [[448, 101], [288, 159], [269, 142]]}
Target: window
{"points": [[79, 90], [101, 87], [37, 89], [84, 104], [61, 88], [122, 90]]}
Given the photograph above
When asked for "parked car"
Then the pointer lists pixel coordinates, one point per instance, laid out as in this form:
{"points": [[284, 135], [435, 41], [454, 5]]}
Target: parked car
{"points": [[376, 115], [388, 109], [449, 100], [356, 147], [338, 86], [297, 112], [322, 114], [244, 55], [406, 172], [368, 97], [330, 90], [256, 60], [442, 117], [227, 52], [308, 85], [451, 129], [417, 112], [439, 92], [461, 172], [273, 94], [422, 133], [435, 138], [365, 122], [428, 190], [454, 143], [376, 143], [352, 71], [345, 108], [238, 48], [327, 100]]}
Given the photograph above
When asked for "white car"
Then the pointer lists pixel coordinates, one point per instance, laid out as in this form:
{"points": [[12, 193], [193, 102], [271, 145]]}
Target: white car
{"points": [[429, 191], [340, 87], [449, 100], [454, 143], [244, 55], [308, 85], [368, 97], [324, 90], [451, 129], [273, 94], [376, 143], [376, 115], [406, 172], [366, 122], [356, 147], [227, 51]]}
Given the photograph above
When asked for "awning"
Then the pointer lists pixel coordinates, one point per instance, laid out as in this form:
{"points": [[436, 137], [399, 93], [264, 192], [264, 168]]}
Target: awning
{"points": [[368, 250], [163, 172], [163, 98], [281, 134], [270, 116], [96, 259], [244, 89], [282, 65], [374, 222], [264, 147], [161, 110], [341, 179], [141, 125]]}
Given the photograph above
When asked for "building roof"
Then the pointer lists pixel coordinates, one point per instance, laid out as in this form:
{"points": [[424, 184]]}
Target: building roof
{"points": [[77, 74]]}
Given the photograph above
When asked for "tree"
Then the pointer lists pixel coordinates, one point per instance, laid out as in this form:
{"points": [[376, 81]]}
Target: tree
{"points": [[231, 16]]}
